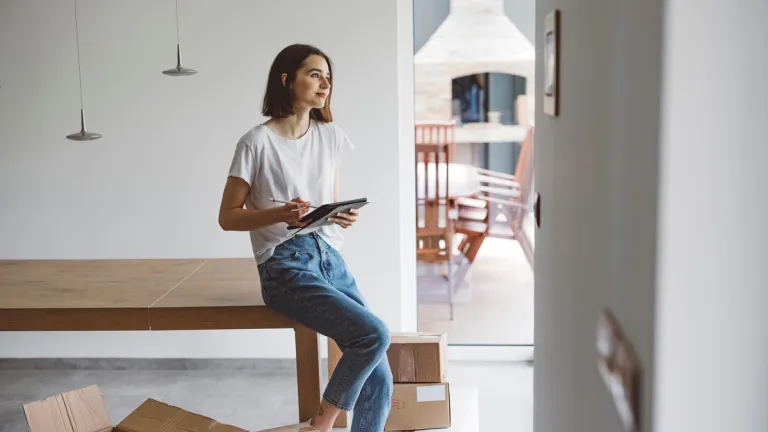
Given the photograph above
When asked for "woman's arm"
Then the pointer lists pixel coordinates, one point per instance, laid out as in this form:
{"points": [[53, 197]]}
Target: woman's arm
{"points": [[233, 217]]}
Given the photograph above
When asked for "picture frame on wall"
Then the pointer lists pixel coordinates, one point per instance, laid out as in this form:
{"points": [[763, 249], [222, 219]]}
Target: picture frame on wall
{"points": [[552, 63], [619, 366]]}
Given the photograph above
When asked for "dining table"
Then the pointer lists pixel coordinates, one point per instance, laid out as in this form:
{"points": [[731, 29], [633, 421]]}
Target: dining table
{"points": [[469, 137], [474, 133], [463, 180]]}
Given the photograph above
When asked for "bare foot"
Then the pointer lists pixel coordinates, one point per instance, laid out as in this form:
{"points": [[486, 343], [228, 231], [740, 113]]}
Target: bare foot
{"points": [[326, 416]]}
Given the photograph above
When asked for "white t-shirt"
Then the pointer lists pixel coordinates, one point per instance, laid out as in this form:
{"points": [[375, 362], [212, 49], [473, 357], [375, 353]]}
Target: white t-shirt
{"points": [[283, 169]]}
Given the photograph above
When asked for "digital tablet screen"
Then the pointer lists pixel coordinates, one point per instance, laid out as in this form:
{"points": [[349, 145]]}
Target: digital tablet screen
{"points": [[319, 216]]}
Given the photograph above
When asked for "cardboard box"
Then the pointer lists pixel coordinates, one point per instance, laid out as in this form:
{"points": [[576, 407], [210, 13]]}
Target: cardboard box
{"points": [[419, 406], [418, 357], [153, 415], [302, 427], [83, 410]]}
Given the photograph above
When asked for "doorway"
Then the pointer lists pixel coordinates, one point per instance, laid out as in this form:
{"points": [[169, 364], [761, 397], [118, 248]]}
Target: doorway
{"points": [[483, 300]]}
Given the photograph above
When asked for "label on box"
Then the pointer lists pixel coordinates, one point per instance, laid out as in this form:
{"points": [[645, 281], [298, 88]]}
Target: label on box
{"points": [[431, 393], [419, 407]]}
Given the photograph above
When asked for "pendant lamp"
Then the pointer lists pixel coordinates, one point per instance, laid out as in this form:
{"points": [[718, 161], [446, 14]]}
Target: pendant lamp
{"points": [[83, 135], [179, 70]]}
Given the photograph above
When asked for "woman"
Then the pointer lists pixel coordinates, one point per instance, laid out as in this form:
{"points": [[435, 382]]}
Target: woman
{"points": [[292, 156]]}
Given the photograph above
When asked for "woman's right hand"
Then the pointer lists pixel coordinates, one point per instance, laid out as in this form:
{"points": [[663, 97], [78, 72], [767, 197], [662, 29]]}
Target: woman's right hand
{"points": [[291, 213]]}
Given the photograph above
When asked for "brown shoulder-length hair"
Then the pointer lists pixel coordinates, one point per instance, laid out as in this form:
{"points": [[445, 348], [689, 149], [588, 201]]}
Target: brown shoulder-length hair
{"points": [[277, 98]]}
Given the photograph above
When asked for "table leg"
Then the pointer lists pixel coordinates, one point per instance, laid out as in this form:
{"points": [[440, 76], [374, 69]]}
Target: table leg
{"points": [[307, 372]]}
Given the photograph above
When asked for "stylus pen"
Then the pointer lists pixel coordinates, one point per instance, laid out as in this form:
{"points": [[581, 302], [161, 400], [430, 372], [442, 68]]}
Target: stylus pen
{"points": [[287, 202]]}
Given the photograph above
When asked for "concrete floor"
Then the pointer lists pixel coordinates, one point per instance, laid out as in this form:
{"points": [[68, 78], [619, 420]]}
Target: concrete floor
{"points": [[252, 398], [494, 306]]}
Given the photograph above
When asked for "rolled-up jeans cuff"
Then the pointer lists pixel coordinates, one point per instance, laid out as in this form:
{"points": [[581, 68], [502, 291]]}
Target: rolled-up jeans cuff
{"points": [[333, 403]]}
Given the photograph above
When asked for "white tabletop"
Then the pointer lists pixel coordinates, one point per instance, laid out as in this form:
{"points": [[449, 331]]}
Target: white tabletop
{"points": [[489, 133], [463, 180]]}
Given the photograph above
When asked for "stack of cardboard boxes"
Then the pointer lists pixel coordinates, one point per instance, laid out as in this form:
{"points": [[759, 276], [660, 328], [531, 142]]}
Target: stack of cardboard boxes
{"points": [[421, 398]]}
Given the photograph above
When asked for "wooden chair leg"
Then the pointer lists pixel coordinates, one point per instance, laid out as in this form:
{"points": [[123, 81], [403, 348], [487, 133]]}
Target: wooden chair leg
{"points": [[307, 372], [450, 285], [474, 246], [334, 355]]}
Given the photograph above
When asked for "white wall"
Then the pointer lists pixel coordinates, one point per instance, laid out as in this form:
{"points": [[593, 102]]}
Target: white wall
{"points": [[665, 227], [596, 171], [150, 188], [407, 158], [713, 280]]}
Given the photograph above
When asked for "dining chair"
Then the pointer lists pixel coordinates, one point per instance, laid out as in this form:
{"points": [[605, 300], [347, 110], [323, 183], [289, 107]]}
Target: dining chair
{"points": [[435, 227], [510, 192]]}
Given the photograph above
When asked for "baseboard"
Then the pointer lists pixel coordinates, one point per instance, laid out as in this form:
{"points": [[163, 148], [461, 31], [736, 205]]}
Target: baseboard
{"points": [[268, 365], [455, 353], [481, 353]]}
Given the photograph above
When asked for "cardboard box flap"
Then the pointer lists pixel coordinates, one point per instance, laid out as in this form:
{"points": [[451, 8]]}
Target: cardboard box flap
{"points": [[418, 357], [303, 427], [153, 415], [409, 338], [80, 410], [47, 415]]}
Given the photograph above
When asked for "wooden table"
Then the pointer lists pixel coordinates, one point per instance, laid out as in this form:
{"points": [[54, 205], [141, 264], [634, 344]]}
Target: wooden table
{"points": [[152, 295]]}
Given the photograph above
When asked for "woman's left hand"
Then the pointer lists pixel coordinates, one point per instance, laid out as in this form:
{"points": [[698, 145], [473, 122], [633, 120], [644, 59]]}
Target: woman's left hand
{"points": [[345, 219]]}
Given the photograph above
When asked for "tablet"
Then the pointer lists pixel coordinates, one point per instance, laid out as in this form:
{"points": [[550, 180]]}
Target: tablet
{"points": [[319, 216]]}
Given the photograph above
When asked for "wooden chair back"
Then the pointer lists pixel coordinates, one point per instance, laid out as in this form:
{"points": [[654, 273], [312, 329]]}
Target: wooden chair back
{"points": [[437, 133], [434, 225]]}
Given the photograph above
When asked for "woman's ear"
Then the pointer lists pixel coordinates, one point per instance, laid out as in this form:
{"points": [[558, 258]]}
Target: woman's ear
{"points": [[284, 77]]}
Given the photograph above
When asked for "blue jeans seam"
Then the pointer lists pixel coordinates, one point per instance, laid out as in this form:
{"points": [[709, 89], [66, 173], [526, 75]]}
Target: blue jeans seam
{"points": [[324, 272], [366, 388]]}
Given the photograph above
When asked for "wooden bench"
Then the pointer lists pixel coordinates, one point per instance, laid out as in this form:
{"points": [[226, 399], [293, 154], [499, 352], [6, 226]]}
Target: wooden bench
{"points": [[153, 295]]}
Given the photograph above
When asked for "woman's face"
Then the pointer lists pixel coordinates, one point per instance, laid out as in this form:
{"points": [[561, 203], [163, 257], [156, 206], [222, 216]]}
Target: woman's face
{"points": [[312, 85]]}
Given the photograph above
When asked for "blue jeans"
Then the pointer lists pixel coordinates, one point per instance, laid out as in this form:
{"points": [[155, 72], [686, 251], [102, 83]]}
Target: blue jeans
{"points": [[307, 281]]}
